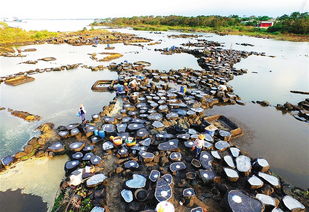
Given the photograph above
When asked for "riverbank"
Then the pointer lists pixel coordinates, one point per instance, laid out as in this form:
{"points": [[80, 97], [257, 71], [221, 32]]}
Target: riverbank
{"points": [[242, 30], [14, 37]]}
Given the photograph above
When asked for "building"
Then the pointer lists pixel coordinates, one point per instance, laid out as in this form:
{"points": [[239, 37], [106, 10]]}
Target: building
{"points": [[266, 24]]}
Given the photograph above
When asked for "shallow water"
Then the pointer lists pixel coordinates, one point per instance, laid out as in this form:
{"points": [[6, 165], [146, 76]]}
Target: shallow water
{"points": [[280, 139], [39, 177], [53, 96]]}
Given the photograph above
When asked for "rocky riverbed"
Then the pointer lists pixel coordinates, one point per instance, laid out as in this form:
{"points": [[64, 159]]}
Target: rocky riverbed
{"points": [[158, 164]]}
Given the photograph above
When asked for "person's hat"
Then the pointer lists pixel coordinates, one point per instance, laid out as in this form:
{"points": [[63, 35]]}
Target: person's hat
{"points": [[165, 206], [201, 136]]}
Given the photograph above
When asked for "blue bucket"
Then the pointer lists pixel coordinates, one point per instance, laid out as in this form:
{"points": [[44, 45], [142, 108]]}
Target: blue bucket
{"points": [[101, 134]]}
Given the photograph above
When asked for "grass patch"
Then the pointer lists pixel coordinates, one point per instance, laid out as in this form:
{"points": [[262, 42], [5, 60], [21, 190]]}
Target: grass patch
{"points": [[10, 35], [110, 57], [57, 203]]}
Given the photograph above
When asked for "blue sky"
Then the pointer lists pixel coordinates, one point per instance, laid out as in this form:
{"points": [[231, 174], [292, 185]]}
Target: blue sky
{"points": [[125, 8]]}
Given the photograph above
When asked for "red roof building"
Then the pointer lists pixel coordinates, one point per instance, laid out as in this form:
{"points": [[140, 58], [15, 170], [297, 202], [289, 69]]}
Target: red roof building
{"points": [[265, 24]]}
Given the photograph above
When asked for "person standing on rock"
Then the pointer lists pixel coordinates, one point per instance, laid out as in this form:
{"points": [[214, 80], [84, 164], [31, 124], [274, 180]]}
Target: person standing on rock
{"points": [[199, 144], [82, 113]]}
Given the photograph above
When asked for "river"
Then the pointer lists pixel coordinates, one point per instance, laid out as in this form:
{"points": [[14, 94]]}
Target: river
{"points": [[55, 96]]}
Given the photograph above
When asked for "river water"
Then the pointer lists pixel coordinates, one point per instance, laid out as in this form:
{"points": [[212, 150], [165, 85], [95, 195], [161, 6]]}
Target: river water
{"points": [[55, 96]]}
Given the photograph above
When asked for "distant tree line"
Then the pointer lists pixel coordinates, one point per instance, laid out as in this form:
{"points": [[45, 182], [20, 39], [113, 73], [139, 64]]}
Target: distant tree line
{"points": [[297, 23]]}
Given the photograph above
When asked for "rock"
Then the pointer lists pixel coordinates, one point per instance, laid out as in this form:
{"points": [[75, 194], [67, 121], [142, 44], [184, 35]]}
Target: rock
{"points": [[231, 174], [292, 204], [107, 145], [154, 175], [135, 126], [95, 180], [188, 192], [172, 116], [97, 209], [77, 146], [168, 178], [272, 180], [123, 152], [131, 164], [64, 134], [47, 59], [267, 200], [147, 156], [121, 128], [70, 165], [263, 103], [109, 129], [277, 210], [207, 175], [255, 182], [189, 144], [177, 166], [145, 142], [215, 154], [225, 135], [206, 160], [88, 156], [197, 209], [169, 145], [56, 147], [163, 191], [184, 137], [127, 195], [77, 155], [155, 117], [138, 181], [222, 145], [175, 156], [157, 124], [142, 133], [18, 80], [234, 151], [243, 164], [88, 148], [95, 160], [229, 161], [261, 164], [238, 201], [74, 131]]}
